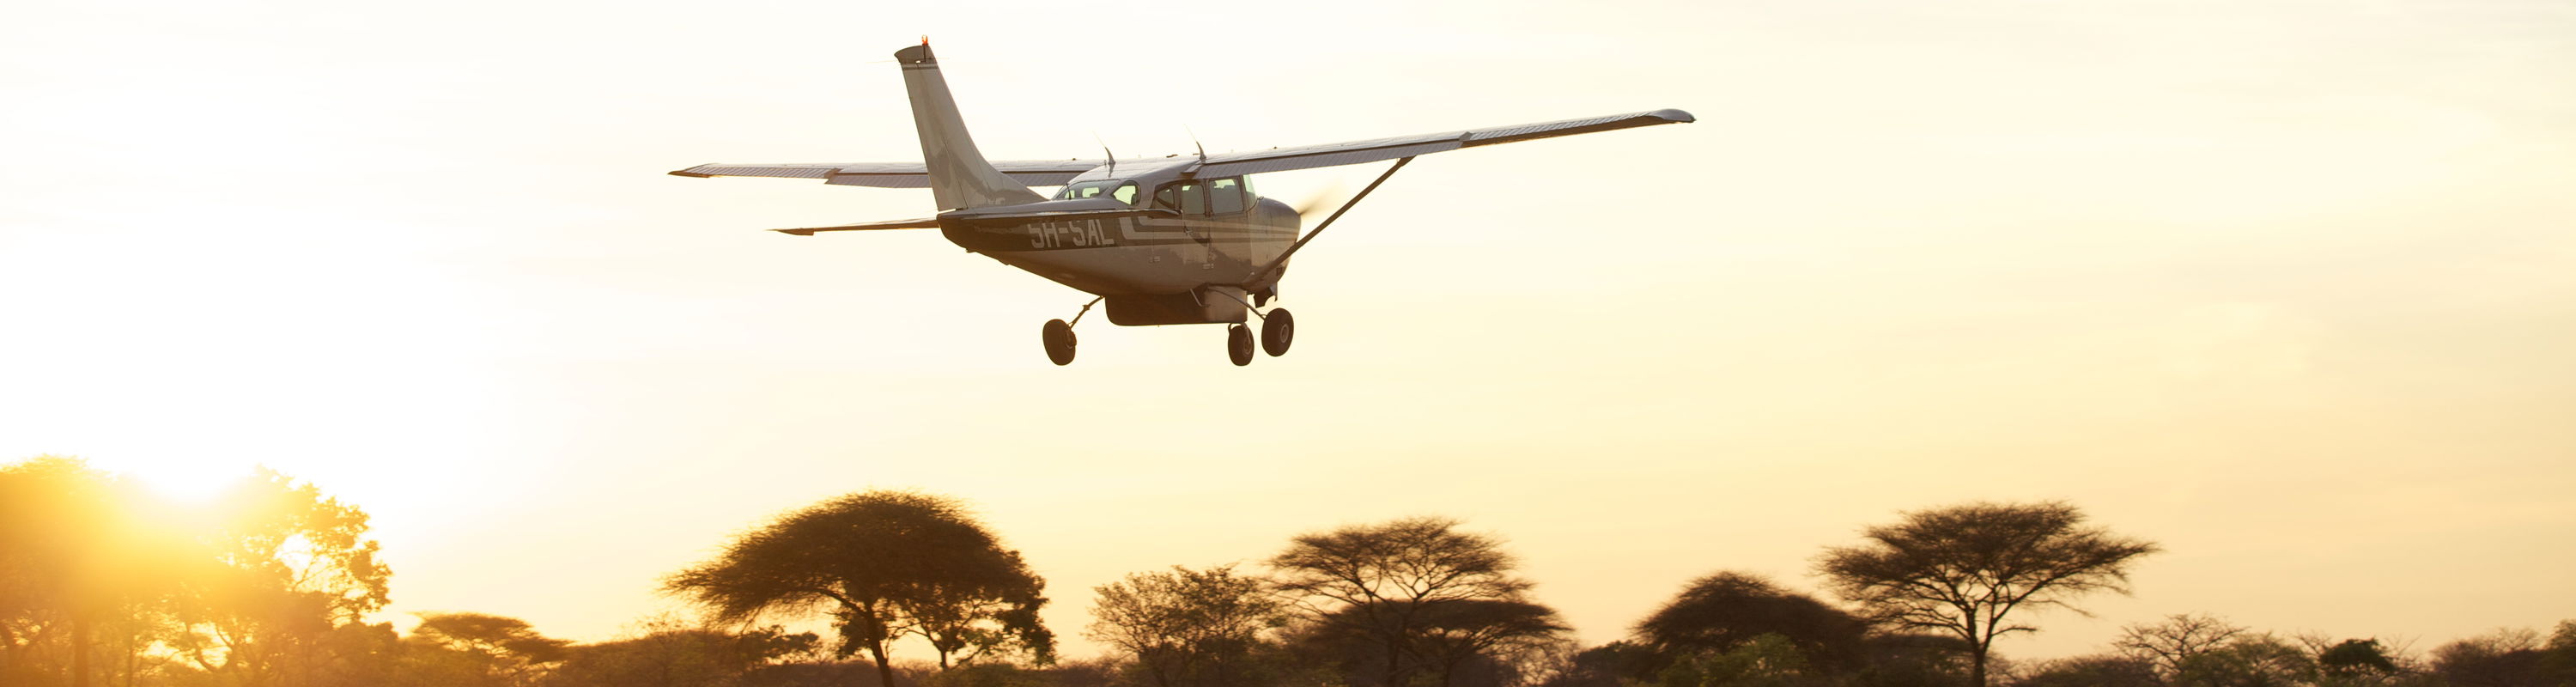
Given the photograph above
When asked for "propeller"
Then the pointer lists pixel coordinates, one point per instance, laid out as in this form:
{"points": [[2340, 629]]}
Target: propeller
{"points": [[1322, 203]]}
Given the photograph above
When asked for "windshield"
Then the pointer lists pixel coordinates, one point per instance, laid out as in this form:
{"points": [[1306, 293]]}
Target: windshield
{"points": [[1124, 191]]}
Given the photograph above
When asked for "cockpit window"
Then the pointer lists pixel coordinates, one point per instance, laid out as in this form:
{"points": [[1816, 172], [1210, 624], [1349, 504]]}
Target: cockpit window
{"points": [[1124, 191]]}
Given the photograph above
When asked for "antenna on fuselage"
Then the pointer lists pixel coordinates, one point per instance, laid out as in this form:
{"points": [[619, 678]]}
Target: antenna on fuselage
{"points": [[1194, 141], [1104, 152]]}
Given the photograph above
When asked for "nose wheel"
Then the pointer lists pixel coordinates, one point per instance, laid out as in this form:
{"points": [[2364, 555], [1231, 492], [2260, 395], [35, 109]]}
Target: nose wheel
{"points": [[1238, 344]]}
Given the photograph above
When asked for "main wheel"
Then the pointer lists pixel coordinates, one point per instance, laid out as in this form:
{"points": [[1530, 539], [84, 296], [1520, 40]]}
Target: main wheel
{"points": [[1238, 344], [1277, 331], [1059, 341]]}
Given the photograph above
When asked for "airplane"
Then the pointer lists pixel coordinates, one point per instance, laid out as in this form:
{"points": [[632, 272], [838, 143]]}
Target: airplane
{"points": [[1164, 241]]}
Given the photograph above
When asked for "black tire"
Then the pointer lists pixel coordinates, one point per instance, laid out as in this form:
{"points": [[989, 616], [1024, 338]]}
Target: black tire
{"points": [[1277, 331], [1238, 344], [1059, 342]]}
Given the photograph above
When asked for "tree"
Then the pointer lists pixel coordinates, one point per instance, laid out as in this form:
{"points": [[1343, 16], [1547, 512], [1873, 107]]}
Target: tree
{"points": [[666, 652], [2256, 660], [2166, 645], [77, 560], [1505, 632], [1187, 628], [493, 650], [1765, 660], [1378, 581], [1964, 569], [2505, 657], [281, 567], [883, 564], [1726, 609], [2355, 662], [2558, 660], [2106, 670]]}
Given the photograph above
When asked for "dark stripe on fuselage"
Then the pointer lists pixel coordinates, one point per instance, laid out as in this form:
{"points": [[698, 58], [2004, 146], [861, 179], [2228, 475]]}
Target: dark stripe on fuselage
{"points": [[1021, 237]]}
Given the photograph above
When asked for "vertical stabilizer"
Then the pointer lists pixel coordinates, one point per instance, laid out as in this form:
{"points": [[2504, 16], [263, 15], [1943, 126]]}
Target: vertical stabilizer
{"points": [[960, 177]]}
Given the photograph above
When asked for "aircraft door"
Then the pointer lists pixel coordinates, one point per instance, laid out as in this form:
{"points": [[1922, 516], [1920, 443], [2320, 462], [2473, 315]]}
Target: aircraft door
{"points": [[1190, 197]]}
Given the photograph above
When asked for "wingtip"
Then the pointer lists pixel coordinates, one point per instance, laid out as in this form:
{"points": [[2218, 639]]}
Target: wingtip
{"points": [[795, 232], [1675, 116], [691, 174]]}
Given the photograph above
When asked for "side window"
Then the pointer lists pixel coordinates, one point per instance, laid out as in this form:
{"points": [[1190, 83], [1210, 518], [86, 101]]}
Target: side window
{"points": [[1226, 196], [1125, 191], [1189, 197]]}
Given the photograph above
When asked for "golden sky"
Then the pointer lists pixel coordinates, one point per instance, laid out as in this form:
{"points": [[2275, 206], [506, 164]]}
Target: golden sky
{"points": [[2287, 286]]}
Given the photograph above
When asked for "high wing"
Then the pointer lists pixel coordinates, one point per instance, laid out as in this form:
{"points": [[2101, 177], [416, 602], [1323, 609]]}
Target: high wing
{"points": [[1057, 172], [1356, 152], [893, 174]]}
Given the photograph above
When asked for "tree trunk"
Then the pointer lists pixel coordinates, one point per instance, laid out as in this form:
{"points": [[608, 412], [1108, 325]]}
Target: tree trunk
{"points": [[885, 672], [1977, 666], [80, 650]]}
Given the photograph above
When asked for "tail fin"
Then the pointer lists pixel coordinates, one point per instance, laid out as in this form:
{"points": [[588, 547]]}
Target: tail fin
{"points": [[960, 177]]}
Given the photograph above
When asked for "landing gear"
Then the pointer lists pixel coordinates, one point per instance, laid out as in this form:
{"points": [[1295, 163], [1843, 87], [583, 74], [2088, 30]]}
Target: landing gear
{"points": [[1277, 330], [1238, 344], [1059, 341]]}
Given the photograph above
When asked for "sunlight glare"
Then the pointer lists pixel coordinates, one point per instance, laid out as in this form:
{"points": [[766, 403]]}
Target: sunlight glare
{"points": [[188, 483]]}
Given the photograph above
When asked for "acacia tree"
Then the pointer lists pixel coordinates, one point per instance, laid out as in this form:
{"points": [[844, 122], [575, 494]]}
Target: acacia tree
{"points": [[492, 650], [1455, 633], [883, 564], [1964, 569], [1187, 627], [2168, 644], [1722, 610], [1384, 582]]}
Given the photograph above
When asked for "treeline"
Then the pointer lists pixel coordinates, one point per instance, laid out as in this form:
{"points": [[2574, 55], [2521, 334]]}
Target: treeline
{"points": [[274, 584]]}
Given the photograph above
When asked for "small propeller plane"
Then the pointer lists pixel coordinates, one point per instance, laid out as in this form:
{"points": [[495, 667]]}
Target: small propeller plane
{"points": [[1172, 240]]}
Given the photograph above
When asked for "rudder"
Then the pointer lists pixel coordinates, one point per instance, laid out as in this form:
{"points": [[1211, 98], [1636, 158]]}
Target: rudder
{"points": [[960, 177]]}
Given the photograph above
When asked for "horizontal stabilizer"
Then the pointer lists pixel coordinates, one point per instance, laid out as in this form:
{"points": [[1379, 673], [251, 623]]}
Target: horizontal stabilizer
{"points": [[924, 223], [896, 174]]}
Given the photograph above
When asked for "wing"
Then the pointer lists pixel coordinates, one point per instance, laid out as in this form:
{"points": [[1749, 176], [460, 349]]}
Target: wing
{"points": [[894, 174], [1057, 172], [1356, 152]]}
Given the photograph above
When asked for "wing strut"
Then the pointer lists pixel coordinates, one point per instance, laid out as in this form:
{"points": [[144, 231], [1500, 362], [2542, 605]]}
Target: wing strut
{"points": [[1273, 267]]}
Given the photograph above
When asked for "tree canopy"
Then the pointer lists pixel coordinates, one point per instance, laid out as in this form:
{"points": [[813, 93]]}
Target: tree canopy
{"points": [[1965, 569], [1415, 589], [1723, 610], [883, 564], [1185, 627]]}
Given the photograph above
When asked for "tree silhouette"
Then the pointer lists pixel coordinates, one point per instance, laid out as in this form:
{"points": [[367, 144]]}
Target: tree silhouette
{"points": [[75, 559], [1726, 609], [1184, 627], [1964, 569], [492, 650], [883, 564], [287, 567], [1382, 581], [2167, 644]]}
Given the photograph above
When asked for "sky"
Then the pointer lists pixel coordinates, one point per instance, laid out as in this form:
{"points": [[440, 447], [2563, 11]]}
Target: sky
{"points": [[2287, 286]]}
